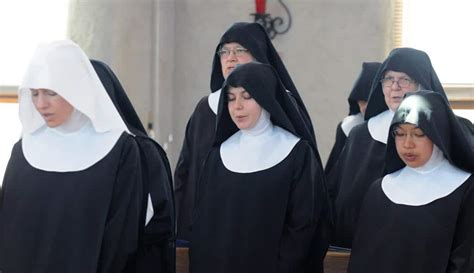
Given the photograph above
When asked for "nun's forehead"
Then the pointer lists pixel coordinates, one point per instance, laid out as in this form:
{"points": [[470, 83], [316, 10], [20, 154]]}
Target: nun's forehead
{"points": [[226, 44], [405, 73]]}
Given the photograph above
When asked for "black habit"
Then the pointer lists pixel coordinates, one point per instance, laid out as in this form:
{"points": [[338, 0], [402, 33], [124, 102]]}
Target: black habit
{"points": [[156, 251], [201, 127], [70, 201], [360, 92], [362, 158], [271, 220], [434, 236], [71, 222]]}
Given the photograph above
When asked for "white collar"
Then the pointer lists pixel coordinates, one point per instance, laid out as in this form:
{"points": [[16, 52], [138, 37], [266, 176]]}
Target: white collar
{"points": [[213, 100], [419, 186], [379, 126], [259, 148], [50, 149], [350, 122]]}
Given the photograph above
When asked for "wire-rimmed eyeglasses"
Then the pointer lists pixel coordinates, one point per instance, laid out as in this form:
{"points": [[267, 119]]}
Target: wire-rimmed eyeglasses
{"points": [[238, 52], [403, 82]]}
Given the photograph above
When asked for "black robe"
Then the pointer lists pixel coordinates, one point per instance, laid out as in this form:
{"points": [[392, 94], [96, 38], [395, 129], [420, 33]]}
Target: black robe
{"points": [[360, 153], [262, 221], [362, 159], [71, 222], [200, 129], [197, 142], [434, 238], [156, 248], [360, 92], [336, 149]]}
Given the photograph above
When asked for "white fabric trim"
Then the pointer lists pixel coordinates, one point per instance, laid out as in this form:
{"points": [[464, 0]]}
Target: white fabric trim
{"points": [[213, 100], [379, 126], [49, 149], [420, 186], [149, 210], [257, 149], [350, 122]]}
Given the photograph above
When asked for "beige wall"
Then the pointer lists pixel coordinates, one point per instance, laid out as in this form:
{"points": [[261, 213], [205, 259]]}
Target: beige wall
{"points": [[162, 51], [120, 33]]}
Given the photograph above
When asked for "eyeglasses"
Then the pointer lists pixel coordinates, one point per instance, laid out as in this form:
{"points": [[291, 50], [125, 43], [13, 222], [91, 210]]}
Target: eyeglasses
{"points": [[400, 135], [238, 52], [403, 82]]}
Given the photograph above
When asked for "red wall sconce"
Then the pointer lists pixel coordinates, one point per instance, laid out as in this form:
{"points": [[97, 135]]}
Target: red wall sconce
{"points": [[272, 25]]}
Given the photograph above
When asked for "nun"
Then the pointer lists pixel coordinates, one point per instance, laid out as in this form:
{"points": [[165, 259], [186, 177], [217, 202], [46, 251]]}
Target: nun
{"points": [[261, 202], [362, 158], [357, 104], [156, 251], [241, 43], [419, 216], [70, 200]]}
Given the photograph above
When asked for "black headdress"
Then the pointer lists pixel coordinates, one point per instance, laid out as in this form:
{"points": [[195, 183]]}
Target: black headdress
{"points": [[416, 64], [263, 84], [431, 112], [361, 89], [253, 37]]}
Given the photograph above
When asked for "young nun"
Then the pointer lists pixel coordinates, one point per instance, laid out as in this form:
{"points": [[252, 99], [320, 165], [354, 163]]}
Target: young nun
{"points": [[261, 199], [362, 158], [241, 43], [70, 201], [156, 251], [419, 217], [357, 103]]}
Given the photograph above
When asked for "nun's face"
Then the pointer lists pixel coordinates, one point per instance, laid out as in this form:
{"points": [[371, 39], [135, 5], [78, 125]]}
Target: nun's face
{"points": [[231, 55], [413, 146], [243, 109], [395, 85], [52, 107]]}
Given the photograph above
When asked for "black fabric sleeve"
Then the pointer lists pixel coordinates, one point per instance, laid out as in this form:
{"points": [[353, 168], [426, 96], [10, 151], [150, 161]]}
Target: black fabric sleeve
{"points": [[121, 229], [8, 170], [336, 149], [461, 259], [156, 249], [305, 204], [181, 173]]}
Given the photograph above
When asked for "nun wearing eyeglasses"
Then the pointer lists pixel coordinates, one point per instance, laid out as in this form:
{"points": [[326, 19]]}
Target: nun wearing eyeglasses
{"points": [[362, 158], [261, 203], [357, 104], [419, 217], [240, 44], [70, 201]]}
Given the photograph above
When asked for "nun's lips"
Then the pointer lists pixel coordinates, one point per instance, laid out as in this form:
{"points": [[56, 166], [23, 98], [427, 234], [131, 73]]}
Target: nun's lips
{"points": [[47, 116], [409, 157], [241, 117], [397, 99]]}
